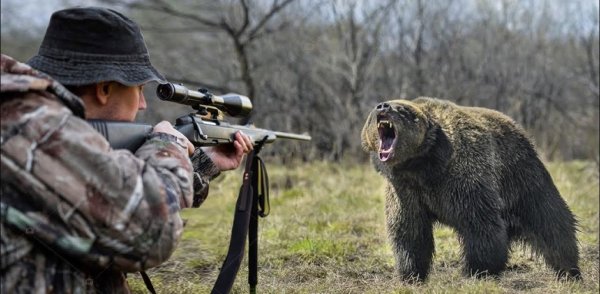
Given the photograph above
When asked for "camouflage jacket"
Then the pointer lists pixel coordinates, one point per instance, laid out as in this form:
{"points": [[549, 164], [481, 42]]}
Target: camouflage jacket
{"points": [[76, 214]]}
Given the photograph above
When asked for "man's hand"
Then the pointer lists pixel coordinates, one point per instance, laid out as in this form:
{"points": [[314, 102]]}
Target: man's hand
{"points": [[166, 127], [229, 156]]}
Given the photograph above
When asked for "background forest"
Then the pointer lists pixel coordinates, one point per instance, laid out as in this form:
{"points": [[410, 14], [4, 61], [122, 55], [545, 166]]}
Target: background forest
{"points": [[318, 66]]}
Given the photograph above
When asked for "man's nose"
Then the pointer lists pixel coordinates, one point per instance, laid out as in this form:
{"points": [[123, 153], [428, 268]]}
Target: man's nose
{"points": [[142, 104], [382, 106]]}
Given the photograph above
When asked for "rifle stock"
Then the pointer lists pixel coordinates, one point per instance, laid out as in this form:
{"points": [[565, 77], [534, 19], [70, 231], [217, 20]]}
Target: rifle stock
{"points": [[122, 135]]}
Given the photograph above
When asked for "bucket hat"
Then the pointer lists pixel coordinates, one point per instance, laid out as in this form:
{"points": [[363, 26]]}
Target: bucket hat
{"points": [[88, 45]]}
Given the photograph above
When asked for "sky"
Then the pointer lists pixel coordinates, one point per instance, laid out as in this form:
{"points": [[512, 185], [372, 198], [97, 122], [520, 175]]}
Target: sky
{"points": [[35, 13], [21, 12]]}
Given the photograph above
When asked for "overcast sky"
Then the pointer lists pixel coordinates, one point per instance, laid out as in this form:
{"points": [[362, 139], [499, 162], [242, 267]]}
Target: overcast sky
{"points": [[36, 13]]}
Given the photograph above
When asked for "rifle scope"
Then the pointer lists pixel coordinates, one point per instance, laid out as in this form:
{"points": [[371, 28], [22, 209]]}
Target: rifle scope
{"points": [[233, 104]]}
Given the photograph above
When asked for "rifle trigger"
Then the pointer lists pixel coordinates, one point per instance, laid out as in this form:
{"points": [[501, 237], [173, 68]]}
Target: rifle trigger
{"points": [[197, 128]]}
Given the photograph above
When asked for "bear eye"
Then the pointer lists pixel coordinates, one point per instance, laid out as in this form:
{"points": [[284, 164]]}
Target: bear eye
{"points": [[406, 113]]}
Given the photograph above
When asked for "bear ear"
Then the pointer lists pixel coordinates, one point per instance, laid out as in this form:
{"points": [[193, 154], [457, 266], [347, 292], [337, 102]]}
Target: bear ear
{"points": [[368, 136]]}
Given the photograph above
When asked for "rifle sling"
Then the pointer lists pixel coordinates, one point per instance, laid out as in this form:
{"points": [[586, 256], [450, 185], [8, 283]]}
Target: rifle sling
{"points": [[245, 223], [254, 192], [147, 282], [261, 198]]}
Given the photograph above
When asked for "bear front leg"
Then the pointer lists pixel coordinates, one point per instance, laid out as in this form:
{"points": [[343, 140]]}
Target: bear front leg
{"points": [[485, 242], [411, 234]]}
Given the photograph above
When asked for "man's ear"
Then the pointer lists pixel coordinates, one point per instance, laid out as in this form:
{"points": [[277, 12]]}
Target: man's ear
{"points": [[103, 91]]}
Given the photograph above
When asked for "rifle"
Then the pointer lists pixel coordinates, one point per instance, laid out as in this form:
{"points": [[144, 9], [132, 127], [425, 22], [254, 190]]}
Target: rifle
{"points": [[206, 127]]}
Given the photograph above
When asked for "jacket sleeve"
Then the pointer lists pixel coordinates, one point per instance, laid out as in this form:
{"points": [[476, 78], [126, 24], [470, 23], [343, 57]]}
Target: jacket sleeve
{"points": [[204, 172], [115, 208]]}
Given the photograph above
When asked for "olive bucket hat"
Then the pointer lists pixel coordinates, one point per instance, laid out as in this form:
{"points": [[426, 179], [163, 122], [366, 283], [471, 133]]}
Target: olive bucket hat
{"points": [[84, 46]]}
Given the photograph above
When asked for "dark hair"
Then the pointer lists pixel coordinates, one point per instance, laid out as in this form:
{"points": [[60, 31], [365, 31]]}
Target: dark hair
{"points": [[81, 90]]}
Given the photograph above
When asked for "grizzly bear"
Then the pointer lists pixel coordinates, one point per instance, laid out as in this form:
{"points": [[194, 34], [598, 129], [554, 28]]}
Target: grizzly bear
{"points": [[475, 170]]}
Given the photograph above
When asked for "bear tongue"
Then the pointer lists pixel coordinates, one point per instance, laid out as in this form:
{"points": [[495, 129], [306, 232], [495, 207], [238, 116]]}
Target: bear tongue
{"points": [[386, 147], [387, 139], [384, 156]]}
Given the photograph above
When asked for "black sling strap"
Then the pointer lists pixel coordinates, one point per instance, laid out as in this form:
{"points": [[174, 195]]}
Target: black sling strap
{"points": [[260, 207], [253, 193], [252, 202], [147, 282]]}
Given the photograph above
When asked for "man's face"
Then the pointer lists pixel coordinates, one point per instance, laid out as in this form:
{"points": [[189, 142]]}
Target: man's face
{"points": [[124, 102]]}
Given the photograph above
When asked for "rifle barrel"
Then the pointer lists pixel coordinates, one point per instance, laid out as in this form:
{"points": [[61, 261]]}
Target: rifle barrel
{"points": [[284, 135]]}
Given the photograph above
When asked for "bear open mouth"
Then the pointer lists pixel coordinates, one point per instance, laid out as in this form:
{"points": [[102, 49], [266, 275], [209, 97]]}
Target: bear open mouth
{"points": [[387, 138]]}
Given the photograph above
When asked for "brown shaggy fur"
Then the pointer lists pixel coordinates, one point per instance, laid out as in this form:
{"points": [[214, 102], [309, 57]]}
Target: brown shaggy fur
{"points": [[474, 170]]}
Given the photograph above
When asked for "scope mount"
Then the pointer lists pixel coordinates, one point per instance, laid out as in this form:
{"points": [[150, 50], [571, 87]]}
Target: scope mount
{"points": [[207, 112]]}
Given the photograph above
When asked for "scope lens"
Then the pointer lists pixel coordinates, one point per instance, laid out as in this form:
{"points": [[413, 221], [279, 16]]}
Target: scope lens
{"points": [[165, 91]]}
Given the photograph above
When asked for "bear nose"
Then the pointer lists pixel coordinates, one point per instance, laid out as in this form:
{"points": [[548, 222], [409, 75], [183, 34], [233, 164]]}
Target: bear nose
{"points": [[382, 106]]}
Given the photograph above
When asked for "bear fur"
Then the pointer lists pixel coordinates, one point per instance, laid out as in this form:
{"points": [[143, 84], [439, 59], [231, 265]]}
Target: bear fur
{"points": [[475, 170]]}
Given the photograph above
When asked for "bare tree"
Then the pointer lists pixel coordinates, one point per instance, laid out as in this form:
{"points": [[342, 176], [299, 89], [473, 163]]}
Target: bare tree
{"points": [[241, 21]]}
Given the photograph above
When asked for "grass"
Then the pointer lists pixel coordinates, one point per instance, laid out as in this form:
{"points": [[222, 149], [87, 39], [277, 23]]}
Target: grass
{"points": [[326, 234]]}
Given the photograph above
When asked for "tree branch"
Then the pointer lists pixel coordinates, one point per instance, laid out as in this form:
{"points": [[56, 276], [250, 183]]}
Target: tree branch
{"points": [[274, 9]]}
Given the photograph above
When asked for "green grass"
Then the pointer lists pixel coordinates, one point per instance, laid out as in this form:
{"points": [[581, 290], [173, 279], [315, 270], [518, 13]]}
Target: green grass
{"points": [[326, 234]]}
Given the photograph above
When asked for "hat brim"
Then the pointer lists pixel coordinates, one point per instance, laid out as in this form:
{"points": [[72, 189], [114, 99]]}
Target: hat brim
{"points": [[73, 72]]}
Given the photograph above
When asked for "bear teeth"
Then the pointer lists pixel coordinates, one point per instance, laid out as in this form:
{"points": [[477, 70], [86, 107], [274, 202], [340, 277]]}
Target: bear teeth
{"points": [[385, 124]]}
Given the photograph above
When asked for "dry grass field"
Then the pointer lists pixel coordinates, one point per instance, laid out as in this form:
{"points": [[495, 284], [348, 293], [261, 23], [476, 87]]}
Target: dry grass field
{"points": [[326, 234]]}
